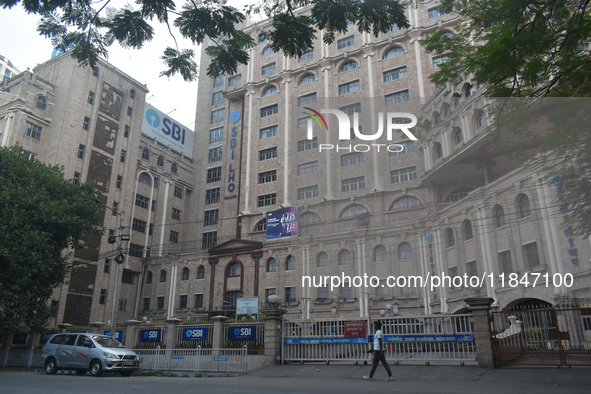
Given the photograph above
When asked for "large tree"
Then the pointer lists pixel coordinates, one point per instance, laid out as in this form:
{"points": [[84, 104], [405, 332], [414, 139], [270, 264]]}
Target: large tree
{"points": [[536, 51], [43, 217], [87, 28]]}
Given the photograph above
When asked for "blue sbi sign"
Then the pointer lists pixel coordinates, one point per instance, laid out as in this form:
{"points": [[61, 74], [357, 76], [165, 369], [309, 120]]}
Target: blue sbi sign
{"points": [[156, 124]]}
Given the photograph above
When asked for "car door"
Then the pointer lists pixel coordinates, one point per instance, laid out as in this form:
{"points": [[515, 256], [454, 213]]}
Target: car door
{"points": [[65, 350], [81, 352]]}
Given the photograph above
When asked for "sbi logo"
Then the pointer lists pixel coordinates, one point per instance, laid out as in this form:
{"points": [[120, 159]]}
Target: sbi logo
{"points": [[244, 331], [235, 116], [152, 118]]}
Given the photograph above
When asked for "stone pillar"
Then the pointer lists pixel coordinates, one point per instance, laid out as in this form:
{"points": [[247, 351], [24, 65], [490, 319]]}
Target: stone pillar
{"points": [[94, 327], [131, 333], [64, 327], [273, 325], [218, 332], [480, 308], [171, 332]]}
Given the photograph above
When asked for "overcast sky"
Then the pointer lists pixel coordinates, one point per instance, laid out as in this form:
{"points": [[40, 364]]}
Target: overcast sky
{"points": [[25, 48]]}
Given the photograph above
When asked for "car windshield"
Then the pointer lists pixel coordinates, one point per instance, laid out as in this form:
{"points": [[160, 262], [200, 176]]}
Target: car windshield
{"points": [[105, 341]]}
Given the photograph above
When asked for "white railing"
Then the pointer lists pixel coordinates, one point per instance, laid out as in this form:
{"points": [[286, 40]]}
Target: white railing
{"points": [[195, 360]]}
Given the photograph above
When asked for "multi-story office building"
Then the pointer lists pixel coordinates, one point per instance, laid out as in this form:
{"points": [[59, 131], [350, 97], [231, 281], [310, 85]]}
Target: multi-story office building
{"points": [[7, 69]]}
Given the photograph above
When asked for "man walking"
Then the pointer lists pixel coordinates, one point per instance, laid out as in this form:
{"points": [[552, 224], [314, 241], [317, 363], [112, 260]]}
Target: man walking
{"points": [[379, 353]]}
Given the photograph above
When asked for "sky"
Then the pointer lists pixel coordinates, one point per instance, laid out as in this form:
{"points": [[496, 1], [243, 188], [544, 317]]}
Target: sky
{"points": [[25, 48]]}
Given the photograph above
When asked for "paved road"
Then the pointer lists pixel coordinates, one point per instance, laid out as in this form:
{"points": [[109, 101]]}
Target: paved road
{"points": [[304, 379]]}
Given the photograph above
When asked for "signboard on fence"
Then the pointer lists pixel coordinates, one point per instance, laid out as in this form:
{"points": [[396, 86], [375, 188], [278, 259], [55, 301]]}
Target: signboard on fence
{"points": [[154, 335], [326, 340], [247, 305], [19, 339], [242, 333], [355, 329], [195, 334], [118, 334]]}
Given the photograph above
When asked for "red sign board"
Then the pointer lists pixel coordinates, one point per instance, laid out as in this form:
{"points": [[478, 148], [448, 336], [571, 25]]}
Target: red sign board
{"points": [[355, 329]]}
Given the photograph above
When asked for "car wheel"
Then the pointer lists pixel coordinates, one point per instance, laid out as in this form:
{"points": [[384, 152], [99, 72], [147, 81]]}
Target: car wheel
{"points": [[81, 371], [50, 366], [126, 373], [96, 368]]}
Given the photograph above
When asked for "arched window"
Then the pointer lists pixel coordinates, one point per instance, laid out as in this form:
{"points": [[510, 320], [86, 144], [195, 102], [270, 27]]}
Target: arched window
{"points": [[201, 272], [41, 103], [263, 37], [450, 237], [160, 161], [234, 269], [348, 66], [145, 178], [468, 230], [269, 91], [436, 118], [524, 209], [261, 226], [306, 79], [271, 265], [132, 93], [379, 254], [478, 119], [267, 51], [445, 110], [458, 194], [173, 168], [353, 210], [149, 277], [344, 257], [162, 276], [185, 275], [405, 203], [309, 218], [322, 260], [145, 154], [468, 89], [457, 136], [437, 151], [499, 213], [404, 251], [447, 34], [290, 263], [394, 51], [456, 99]]}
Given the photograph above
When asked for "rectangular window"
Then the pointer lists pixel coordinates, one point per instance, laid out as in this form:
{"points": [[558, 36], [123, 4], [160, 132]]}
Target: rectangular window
{"points": [[218, 115], [268, 293], [160, 303], [266, 200], [218, 81], [471, 268], [29, 155], [198, 301], [183, 302], [174, 237], [103, 296], [86, 123], [139, 225], [290, 294], [307, 192], [407, 147], [308, 168], [437, 61], [505, 262], [530, 253], [352, 184], [126, 131], [346, 42], [435, 12], [146, 304], [107, 266], [215, 154], [214, 174], [268, 132], [90, 99], [234, 80], [349, 87], [212, 196], [268, 176], [216, 134], [306, 56], [33, 131], [119, 181], [176, 214], [307, 99], [127, 277], [304, 145], [217, 97], [209, 240], [345, 291], [178, 192], [129, 111], [403, 175], [53, 309], [303, 123], [210, 217], [76, 178], [81, 149], [397, 98], [395, 74], [352, 159], [136, 250], [115, 207], [270, 110], [323, 293], [267, 154], [95, 71], [142, 201], [351, 109], [268, 68], [122, 157]]}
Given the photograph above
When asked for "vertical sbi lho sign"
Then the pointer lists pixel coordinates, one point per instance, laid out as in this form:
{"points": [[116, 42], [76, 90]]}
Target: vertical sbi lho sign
{"points": [[156, 124]]}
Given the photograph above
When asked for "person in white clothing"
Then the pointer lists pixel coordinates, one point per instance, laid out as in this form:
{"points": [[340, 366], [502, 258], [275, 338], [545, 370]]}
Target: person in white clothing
{"points": [[379, 353]]}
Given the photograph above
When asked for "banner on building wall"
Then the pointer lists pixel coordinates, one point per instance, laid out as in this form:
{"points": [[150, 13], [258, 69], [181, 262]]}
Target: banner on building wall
{"points": [[282, 223], [156, 124]]}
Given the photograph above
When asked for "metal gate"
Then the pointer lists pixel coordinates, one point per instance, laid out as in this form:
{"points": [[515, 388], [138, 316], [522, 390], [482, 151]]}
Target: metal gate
{"points": [[549, 336], [434, 339]]}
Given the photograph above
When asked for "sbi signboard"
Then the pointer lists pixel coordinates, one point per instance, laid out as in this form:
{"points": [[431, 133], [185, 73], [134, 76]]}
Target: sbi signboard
{"points": [[167, 131], [242, 333]]}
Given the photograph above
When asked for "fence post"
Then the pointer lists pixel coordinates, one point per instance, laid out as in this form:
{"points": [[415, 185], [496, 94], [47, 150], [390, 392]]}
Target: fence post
{"points": [[64, 327], [273, 319], [171, 332], [198, 359], [131, 333], [6, 356], [94, 327], [480, 308], [218, 332], [157, 358]]}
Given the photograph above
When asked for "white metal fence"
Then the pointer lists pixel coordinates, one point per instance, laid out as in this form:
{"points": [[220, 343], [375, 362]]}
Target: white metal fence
{"points": [[195, 360], [441, 339]]}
